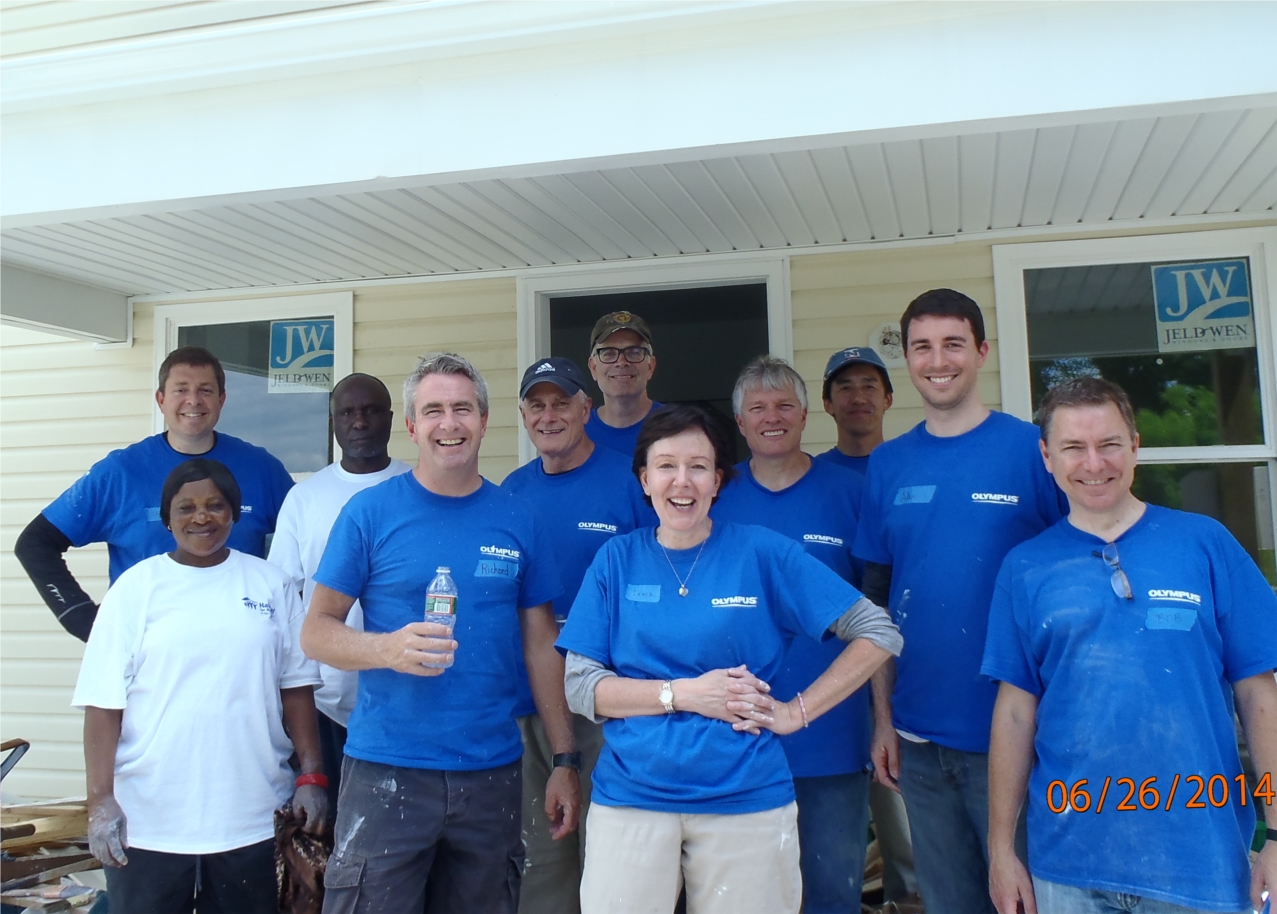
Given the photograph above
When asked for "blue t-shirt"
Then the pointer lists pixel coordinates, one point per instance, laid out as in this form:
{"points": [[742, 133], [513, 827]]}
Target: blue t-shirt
{"points": [[118, 501], [616, 439], [751, 592], [944, 512], [819, 512], [859, 464], [1137, 689], [384, 550], [580, 510]]}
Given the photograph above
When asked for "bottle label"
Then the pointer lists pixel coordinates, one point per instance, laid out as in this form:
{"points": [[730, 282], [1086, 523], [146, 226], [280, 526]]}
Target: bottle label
{"points": [[443, 604]]}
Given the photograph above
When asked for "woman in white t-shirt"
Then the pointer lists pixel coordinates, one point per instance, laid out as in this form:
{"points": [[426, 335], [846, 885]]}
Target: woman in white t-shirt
{"points": [[193, 681]]}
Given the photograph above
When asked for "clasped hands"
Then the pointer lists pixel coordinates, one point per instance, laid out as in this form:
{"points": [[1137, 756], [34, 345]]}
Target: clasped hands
{"points": [[738, 697]]}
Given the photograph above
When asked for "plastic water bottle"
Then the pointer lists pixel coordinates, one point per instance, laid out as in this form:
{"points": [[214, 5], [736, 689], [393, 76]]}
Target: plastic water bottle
{"points": [[441, 605]]}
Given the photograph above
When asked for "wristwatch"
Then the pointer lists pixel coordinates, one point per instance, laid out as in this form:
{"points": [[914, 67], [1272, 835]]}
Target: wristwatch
{"points": [[667, 696], [573, 760]]}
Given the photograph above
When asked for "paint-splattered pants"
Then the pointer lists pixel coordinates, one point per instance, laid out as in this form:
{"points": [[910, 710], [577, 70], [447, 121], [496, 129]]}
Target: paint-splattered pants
{"points": [[411, 839], [637, 860]]}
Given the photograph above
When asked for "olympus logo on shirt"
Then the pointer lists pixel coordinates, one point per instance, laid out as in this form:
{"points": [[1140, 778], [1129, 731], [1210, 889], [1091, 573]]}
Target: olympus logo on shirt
{"points": [[500, 552], [994, 498], [597, 527], [821, 539], [264, 608], [734, 601], [1179, 596]]}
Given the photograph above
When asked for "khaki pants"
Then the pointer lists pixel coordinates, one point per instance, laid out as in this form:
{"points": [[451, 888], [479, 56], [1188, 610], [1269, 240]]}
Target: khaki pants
{"points": [[636, 861], [552, 874]]}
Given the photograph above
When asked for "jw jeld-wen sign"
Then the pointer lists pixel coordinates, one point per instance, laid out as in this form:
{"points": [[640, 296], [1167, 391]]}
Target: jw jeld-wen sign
{"points": [[1203, 306], [301, 357]]}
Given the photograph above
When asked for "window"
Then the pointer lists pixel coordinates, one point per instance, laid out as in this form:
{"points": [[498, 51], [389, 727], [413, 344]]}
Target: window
{"points": [[281, 357], [1183, 322]]}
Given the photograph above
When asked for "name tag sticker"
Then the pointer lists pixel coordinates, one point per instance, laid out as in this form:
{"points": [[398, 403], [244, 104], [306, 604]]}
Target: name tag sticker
{"points": [[1171, 618], [915, 495], [643, 593], [491, 568], [153, 515]]}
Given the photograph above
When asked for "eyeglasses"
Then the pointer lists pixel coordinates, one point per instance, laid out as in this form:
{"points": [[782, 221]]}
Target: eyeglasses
{"points": [[633, 354], [1120, 583]]}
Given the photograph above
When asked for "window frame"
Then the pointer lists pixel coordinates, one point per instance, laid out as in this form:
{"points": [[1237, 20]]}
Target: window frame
{"points": [[170, 319], [1259, 245]]}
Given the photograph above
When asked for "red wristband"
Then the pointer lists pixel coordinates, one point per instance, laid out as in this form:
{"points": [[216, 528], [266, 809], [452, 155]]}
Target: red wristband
{"points": [[317, 779]]}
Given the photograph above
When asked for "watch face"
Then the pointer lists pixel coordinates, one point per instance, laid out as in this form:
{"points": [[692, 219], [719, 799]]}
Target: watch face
{"points": [[667, 696]]}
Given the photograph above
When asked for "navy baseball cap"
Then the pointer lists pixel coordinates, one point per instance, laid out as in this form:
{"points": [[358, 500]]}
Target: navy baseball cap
{"points": [[556, 370], [855, 355]]}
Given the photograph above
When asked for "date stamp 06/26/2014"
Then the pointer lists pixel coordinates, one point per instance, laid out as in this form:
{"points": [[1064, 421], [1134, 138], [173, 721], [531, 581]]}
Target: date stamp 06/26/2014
{"points": [[1199, 792]]}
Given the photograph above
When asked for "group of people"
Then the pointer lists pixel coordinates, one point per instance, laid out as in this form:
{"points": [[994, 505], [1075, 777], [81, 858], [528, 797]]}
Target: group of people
{"points": [[670, 672]]}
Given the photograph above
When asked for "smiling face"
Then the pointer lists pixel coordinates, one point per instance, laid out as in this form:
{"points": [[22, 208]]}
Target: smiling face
{"points": [[201, 520], [1090, 452], [447, 427], [857, 399], [681, 479], [944, 360], [772, 421], [555, 420], [191, 401], [362, 418], [621, 378]]}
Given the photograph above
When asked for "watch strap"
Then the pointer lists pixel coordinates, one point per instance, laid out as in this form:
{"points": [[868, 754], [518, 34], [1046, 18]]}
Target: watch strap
{"points": [[573, 760]]}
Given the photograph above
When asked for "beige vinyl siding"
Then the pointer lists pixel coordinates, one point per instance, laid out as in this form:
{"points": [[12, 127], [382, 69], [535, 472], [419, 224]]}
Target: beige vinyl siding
{"points": [[63, 406], [839, 299]]}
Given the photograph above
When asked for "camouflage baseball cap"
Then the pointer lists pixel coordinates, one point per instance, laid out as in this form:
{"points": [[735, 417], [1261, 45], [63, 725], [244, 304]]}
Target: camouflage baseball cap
{"points": [[619, 320]]}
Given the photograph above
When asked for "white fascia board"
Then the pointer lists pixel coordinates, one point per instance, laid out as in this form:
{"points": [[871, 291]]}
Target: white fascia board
{"points": [[715, 81]]}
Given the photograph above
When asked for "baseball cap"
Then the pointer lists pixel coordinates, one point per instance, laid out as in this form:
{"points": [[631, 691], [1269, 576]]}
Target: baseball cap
{"points": [[855, 355], [557, 370], [619, 320]]}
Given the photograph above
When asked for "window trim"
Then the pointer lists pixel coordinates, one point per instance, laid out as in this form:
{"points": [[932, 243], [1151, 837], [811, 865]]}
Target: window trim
{"points": [[1258, 244], [534, 291], [169, 319]]}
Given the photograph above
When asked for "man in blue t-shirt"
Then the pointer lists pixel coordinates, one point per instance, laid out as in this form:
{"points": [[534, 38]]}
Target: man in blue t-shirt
{"points": [[621, 363], [117, 501], [856, 393], [584, 496], [815, 504], [942, 506], [428, 817], [1122, 637]]}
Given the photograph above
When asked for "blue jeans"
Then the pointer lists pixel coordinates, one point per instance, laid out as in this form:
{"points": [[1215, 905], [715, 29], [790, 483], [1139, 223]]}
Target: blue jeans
{"points": [[833, 829], [946, 794], [1055, 898]]}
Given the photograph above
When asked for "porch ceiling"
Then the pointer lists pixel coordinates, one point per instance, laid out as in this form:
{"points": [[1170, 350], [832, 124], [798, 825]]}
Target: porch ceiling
{"points": [[1216, 162]]}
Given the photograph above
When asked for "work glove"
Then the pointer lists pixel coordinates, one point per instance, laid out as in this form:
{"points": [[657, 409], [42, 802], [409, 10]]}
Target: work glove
{"points": [[108, 832], [310, 803]]}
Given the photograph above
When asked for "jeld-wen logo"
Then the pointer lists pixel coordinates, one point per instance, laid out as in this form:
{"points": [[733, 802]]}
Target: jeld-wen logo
{"points": [[1203, 306], [1178, 596], [500, 552], [734, 601], [995, 498]]}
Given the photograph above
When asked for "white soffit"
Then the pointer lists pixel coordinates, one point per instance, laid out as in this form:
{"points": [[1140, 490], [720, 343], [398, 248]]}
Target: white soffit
{"points": [[1125, 171]]}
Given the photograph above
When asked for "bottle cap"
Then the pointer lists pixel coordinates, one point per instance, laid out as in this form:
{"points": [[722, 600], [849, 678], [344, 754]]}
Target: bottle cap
{"points": [[443, 569]]}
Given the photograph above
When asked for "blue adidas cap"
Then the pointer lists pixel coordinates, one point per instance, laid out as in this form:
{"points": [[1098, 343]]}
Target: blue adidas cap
{"points": [[556, 370], [855, 355]]}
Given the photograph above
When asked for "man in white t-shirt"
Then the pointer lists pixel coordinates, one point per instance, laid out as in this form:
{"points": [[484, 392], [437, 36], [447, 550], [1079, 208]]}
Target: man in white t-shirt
{"points": [[361, 412]]}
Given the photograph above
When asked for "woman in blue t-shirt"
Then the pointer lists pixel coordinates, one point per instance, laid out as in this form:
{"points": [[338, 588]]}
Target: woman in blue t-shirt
{"points": [[670, 643]]}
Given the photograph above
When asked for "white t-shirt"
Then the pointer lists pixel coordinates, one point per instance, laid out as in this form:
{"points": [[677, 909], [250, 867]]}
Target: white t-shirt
{"points": [[196, 658], [301, 532]]}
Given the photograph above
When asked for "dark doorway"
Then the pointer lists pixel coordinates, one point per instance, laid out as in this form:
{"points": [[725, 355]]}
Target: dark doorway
{"points": [[702, 338]]}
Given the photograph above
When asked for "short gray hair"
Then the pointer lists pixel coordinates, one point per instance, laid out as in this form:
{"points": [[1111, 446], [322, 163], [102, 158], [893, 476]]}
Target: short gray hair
{"points": [[768, 373], [443, 363]]}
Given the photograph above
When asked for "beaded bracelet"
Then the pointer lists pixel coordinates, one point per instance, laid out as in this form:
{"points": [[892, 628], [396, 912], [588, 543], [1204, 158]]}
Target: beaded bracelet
{"points": [[802, 706]]}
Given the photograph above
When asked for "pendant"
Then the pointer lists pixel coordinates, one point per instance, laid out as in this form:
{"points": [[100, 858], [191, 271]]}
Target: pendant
{"points": [[682, 591]]}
